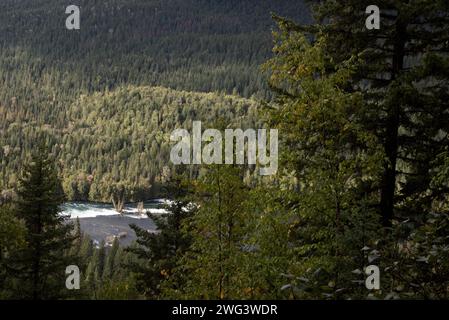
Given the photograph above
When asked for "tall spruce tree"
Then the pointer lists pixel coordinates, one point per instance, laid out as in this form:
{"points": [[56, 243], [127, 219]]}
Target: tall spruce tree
{"points": [[331, 159], [40, 266], [364, 116], [403, 75]]}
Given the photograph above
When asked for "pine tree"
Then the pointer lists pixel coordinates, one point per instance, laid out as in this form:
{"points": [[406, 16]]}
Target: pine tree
{"points": [[109, 269], [159, 253], [215, 265], [365, 121], [330, 160], [40, 267], [403, 76]]}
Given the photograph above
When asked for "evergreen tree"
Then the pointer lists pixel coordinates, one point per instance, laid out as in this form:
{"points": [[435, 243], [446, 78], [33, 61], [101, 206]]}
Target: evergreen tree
{"points": [[365, 132], [158, 253], [94, 271], [12, 238], [110, 265], [40, 266], [403, 76], [215, 266], [332, 161]]}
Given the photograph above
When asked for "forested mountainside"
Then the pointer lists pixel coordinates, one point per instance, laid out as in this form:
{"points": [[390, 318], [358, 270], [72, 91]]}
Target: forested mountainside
{"points": [[74, 84], [357, 210], [118, 140], [183, 44]]}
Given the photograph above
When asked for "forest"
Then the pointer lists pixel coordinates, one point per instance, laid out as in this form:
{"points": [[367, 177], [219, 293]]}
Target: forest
{"points": [[126, 49], [119, 141], [363, 120]]}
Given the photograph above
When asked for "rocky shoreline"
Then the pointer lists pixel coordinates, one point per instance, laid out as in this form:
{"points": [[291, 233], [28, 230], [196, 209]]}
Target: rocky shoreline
{"points": [[102, 223], [107, 228]]}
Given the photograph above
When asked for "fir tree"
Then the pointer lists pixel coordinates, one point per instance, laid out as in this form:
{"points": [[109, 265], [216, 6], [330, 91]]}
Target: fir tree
{"points": [[40, 267], [403, 75], [110, 265], [215, 266], [331, 159], [158, 253]]}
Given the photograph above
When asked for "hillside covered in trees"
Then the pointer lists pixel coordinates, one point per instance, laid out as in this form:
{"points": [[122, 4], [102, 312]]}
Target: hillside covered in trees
{"points": [[118, 142], [89, 88], [190, 45], [363, 179]]}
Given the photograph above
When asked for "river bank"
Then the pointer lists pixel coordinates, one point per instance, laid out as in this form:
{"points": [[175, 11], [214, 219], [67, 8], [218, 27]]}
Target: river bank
{"points": [[102, 223]]}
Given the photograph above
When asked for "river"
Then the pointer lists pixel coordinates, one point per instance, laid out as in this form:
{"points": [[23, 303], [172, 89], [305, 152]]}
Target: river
{"points": [[102, 223]]}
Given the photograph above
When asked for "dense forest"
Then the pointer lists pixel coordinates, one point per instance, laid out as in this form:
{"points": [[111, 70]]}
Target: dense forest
{"points": [[118, 141], [190, 45], [49, 74], [363, 117]]}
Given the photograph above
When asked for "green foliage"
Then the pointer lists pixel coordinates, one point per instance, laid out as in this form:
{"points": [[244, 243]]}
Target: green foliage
{"points": [[334, 164], [215, 265], [12, 238], [90, 91], [104, 273], [38, 268], [158, 253], [182, 44], [403, 77], [116, 144], [363, 120], [206, 46], [364, 155]]}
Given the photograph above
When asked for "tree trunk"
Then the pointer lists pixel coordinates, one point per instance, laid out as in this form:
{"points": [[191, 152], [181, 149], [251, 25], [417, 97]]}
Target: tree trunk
{"points": [[392, 134]]}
